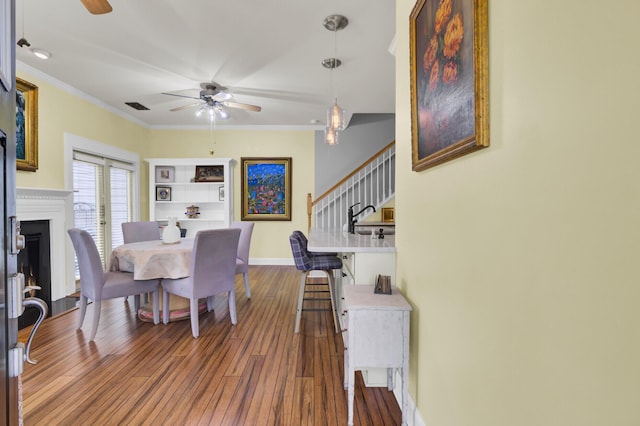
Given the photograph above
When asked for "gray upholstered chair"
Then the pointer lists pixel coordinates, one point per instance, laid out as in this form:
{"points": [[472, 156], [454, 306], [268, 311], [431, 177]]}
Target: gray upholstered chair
{"points": [[133, 232], [242, 258], [98, 285], [213, 271], [306, 262]]}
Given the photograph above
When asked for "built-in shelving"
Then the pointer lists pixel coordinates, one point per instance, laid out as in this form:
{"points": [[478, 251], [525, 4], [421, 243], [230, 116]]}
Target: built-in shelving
{"points": [[173, 187]]}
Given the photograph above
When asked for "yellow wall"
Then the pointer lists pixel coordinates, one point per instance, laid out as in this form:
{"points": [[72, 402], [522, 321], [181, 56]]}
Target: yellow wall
{"points": [[521, 260], [60, 112]]}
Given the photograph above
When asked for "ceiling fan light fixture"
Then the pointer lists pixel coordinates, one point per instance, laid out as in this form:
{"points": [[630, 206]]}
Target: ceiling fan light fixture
{"points": [[222, 113], [214, 101]]}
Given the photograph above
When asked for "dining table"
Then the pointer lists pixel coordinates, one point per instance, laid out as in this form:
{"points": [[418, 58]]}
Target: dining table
{"points": [[156, 260]]}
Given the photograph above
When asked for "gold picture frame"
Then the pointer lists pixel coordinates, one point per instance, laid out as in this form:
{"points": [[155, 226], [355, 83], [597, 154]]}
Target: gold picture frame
{"points": [[26, 126], [266, 188], [449, 80], [388, 214]]}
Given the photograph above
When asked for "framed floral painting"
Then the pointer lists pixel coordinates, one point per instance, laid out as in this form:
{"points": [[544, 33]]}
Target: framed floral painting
{"points": [[449, 80]]}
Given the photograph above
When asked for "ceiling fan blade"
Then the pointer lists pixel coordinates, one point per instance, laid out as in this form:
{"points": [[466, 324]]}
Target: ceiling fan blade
{"points": [[221, 96], [97, 7], [248, 107], [180, 96], [186, 107]]}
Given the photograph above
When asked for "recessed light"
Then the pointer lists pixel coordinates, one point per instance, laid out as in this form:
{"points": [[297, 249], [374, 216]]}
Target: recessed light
{"points": [[42, 54]]}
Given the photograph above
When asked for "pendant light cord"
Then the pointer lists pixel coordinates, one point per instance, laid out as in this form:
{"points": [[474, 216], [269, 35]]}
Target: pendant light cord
{"points": [[23, 1], [335, 59], [212, 126]]}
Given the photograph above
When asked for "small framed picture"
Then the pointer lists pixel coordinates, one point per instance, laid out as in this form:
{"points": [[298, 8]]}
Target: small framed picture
{"points": [[387, 214], [209, 174], [221, 193], [165, 174], [163, 193]]}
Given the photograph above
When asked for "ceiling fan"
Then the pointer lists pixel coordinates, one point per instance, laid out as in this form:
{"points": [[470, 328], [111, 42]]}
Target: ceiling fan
{"points": [[97, 7], [213, 99]]}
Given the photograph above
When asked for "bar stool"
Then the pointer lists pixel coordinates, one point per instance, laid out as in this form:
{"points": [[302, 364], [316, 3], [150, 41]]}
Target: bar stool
{"points": [[306, 262]]}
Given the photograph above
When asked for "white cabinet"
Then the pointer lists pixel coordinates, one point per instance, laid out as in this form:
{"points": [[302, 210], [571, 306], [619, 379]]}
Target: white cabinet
{"points": [[376, 335], [363, 268], [178, 183]]}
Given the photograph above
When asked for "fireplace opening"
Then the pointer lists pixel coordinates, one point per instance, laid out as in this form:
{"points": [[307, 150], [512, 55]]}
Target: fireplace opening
{"points": [[34, 261]]}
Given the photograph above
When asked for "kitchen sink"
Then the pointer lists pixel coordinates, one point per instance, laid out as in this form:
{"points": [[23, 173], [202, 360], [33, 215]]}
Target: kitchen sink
{"points": [[365, 229]]}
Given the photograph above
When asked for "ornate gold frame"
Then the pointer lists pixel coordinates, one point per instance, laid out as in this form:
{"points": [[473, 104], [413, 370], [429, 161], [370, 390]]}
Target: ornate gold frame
{"points": [[28, 126], [446, 106], [269, 199]]}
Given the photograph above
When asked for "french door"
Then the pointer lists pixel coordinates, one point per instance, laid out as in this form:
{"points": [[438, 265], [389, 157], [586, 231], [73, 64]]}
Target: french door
{"points": [[102, 198]]}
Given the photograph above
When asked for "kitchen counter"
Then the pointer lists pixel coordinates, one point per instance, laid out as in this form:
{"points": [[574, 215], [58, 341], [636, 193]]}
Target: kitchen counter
{"points": [[363, 259], [337, 240]]}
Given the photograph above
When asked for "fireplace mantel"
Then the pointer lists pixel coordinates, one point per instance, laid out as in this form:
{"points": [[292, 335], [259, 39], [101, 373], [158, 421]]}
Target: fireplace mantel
{"points": [[56, 206]]}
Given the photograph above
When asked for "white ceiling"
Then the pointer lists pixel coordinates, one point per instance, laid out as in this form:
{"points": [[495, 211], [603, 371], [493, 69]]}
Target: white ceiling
{"points": [[266, 52]]}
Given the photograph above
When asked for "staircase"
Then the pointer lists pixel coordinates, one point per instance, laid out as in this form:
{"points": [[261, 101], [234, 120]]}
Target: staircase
{"points": [[374, 182]]}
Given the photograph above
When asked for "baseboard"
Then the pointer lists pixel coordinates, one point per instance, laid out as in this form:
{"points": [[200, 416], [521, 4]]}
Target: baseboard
{"points": [[271, 261]]}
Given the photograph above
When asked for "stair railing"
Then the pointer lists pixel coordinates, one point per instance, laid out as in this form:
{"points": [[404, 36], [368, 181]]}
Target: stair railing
{"points": [[373, 182]]}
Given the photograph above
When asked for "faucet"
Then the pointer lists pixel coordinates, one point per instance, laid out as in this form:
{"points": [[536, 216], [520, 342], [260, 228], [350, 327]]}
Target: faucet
{"points": [[352, 215]]}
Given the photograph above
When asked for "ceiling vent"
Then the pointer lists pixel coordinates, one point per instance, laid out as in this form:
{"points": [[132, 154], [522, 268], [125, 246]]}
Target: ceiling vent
{"points": [[137, 105]]}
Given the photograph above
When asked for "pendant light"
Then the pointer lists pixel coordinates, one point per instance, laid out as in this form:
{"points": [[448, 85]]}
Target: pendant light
{"points": [[335, 114], [330, 136]]}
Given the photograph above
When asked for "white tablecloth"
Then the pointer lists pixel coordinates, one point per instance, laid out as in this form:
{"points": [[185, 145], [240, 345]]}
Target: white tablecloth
{"points": [[153, 259]]}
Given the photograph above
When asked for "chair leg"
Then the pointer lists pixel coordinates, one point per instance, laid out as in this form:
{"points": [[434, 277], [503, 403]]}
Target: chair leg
{"points": [[303, 280], [156, 307], [165, 307], [232, 307], [333, 304], [83, 310], [136, 303], [246, 284], [195, 323], [96, 318], [210, 302]]}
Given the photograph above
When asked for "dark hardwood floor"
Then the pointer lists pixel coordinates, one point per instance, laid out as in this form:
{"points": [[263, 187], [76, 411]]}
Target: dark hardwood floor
{"points": [[257, 373]]}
